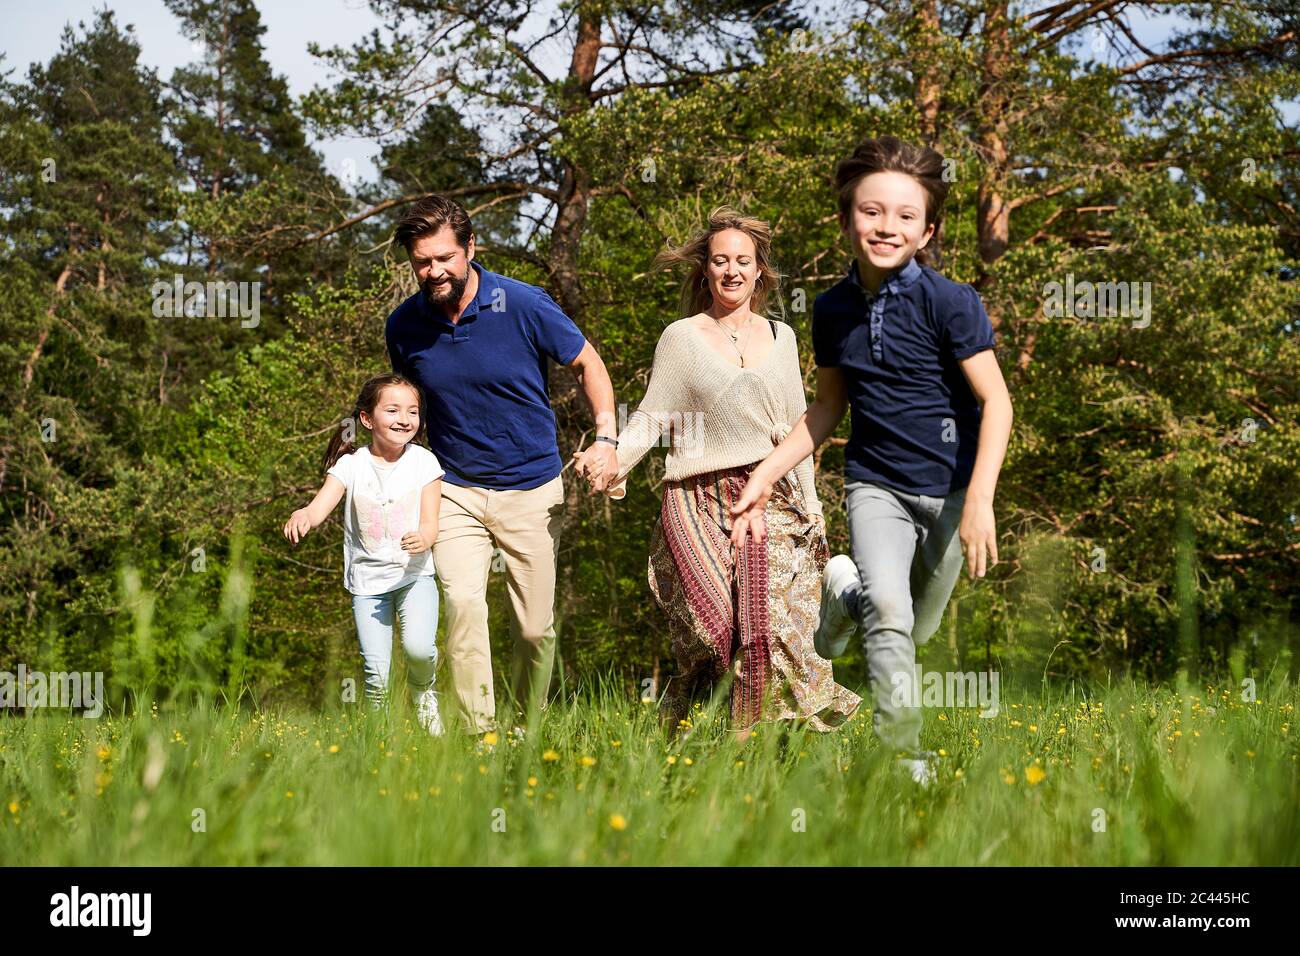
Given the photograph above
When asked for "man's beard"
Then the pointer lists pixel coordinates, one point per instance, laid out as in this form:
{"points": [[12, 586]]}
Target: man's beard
{"points": [[450, 293]]}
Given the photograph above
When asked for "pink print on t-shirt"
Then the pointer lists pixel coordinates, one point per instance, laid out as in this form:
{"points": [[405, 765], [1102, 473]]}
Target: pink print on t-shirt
{"points": [[378, 523]]}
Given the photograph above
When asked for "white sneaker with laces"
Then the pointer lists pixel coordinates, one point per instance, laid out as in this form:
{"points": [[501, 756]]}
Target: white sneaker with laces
{"points": [[834, 624], [427, 713], [920, 769]]}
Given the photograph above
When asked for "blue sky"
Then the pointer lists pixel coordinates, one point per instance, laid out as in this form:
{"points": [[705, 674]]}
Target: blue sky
{"points": [[32, 32]]}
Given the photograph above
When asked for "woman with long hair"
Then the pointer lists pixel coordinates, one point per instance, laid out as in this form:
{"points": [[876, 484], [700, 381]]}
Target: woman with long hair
{"points": [[725, 387]]}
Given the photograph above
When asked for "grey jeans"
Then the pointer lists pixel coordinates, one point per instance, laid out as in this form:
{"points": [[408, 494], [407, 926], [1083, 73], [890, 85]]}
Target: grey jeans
{"points": [[908, 555]]}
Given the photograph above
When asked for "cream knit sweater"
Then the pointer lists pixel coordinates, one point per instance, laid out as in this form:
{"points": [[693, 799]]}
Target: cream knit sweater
{"points": [[717, 414]]}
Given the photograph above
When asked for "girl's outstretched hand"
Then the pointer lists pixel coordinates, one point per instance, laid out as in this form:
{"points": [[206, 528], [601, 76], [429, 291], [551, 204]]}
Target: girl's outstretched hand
{"points": [[296, 528]]}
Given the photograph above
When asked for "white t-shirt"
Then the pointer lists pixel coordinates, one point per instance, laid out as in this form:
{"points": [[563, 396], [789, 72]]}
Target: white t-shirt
{"points": [[382, 504]]}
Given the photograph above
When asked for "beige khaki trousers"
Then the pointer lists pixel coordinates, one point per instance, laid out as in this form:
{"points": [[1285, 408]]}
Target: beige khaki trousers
{"points": [[525, 527]]}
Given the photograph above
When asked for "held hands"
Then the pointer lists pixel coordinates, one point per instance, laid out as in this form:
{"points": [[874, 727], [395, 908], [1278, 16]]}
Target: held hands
{"points": [[598, 464], [978, 533], [296, 528]]}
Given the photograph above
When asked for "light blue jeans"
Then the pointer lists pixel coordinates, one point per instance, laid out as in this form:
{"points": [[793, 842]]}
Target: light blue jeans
{"points": [[909, 556], [416, 607]]}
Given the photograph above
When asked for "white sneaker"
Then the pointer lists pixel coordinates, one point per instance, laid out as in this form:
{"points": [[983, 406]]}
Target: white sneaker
{"points": [[427, 713], [834, 625], [921, 770]]}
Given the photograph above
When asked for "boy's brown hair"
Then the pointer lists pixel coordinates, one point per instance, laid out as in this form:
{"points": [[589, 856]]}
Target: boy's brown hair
{"points": [[889, 154]]}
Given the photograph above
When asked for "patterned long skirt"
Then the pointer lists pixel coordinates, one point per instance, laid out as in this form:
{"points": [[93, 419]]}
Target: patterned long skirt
{"points": [[751, 610]]}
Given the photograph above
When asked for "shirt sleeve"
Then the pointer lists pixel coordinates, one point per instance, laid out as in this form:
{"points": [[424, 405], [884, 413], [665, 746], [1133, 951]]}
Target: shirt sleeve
{"points": [[554, 332], [826, 351], [342, 469], [646, 426], [967, 328], [796, 405], [432, 470], [394, 355]]}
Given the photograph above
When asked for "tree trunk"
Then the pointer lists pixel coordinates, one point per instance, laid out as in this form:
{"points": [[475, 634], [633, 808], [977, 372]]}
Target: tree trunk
{"points": [[29, 371], [575, 183], [994, 216], [928, 83]]}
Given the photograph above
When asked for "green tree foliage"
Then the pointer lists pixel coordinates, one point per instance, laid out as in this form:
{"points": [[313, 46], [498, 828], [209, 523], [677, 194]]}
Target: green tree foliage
{"points": [[1148, 507]]}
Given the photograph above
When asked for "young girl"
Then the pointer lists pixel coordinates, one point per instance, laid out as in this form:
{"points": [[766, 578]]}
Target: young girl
{"points": [[911, 354], [394, 490]]}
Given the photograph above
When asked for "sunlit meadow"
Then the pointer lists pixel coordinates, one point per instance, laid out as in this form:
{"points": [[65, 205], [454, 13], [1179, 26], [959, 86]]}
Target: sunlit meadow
{"points": [[1122, 775]]}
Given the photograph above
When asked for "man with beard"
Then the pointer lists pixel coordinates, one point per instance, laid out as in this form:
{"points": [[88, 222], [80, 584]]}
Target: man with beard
{"points": [[477, 343]]}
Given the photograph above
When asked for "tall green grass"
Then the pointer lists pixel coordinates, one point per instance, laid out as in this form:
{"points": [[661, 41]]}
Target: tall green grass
{"points": [[1130, 774]]}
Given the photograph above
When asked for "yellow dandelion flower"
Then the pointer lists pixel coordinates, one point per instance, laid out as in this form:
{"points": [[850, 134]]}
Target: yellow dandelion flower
{"points": [[491, 738], [334, 748], [587, 761], [103, 752], [1033, 728], [550, 756], [671, 760], [13, 806], [1035, 775], [532, 781], [617, 821], [688, 761]]}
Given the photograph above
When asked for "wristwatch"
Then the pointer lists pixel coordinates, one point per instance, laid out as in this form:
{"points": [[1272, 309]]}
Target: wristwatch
{"points": [[612, 441]]}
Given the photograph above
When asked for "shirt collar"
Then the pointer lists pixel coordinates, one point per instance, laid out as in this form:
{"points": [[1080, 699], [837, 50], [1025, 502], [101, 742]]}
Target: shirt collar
{"points": [[482, 301], [897, 280]]}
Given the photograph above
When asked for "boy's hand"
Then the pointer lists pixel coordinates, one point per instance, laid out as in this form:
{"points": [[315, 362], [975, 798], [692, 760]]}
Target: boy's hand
{"points": [[979, 537], [297, 526], [415, 542], [747, 512]]}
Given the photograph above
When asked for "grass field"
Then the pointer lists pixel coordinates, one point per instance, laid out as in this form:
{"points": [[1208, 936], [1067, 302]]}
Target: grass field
{"points": [[1130, 775]]}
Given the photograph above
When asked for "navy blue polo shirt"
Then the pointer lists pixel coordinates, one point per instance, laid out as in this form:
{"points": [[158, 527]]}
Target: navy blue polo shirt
{"points": [[485, 380], [914, 420]]}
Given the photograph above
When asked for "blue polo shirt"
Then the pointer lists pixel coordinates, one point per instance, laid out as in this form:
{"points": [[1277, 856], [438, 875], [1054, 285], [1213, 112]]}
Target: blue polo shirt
{"points": [[914, 420], [485, 380]]}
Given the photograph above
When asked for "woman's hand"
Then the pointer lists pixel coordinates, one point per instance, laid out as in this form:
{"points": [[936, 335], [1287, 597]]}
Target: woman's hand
{"points": [[299, 523], [416, 542], [979, 537]]}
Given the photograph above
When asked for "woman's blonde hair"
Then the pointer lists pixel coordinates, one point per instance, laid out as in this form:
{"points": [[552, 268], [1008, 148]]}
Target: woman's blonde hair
{"points": [[694, 253]]}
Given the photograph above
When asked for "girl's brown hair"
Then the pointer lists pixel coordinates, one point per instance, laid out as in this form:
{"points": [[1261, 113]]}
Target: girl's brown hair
{"points": [[366, 402], [694, 253], [889, 154]]}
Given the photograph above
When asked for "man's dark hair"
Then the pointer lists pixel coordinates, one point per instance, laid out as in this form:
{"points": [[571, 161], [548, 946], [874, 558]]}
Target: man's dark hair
{"points": [[428, 216]]}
